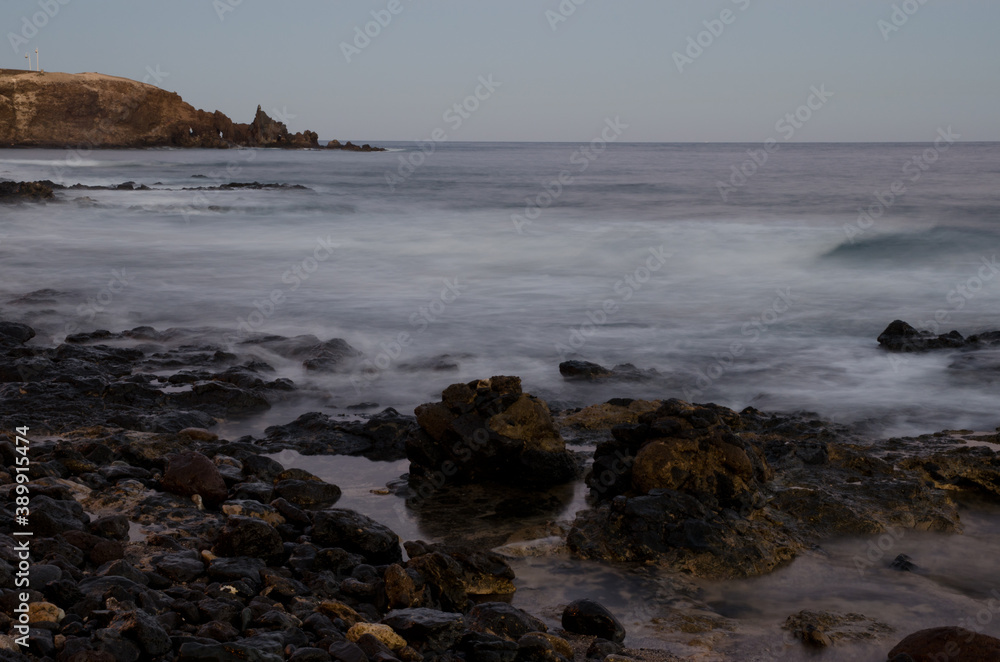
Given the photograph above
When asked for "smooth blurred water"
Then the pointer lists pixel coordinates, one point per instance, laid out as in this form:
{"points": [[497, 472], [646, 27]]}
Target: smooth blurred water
{"points": [[207, 258]]}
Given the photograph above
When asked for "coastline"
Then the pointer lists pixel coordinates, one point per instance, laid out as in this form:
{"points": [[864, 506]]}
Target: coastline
{"points": [[134, 498]]}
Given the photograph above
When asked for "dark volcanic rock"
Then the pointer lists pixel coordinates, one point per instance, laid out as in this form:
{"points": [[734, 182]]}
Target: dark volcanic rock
{"points": [[13, 332], [901, 337], [946, 643], [192, 473], [714, 493], [426, 629], [19, 191], [310, 494], [586, 371], [381, 438], [249, 536], [489, 430], [591, 618], [356, 533], [503, 620]]}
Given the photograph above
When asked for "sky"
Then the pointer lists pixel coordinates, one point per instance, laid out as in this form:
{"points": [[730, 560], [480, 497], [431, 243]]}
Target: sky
{"points": [[555, 70]]}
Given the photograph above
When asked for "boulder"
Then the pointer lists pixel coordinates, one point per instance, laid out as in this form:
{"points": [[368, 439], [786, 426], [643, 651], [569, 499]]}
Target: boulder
{"points": [[594, 619], [356, 533], [489, 430], [425, 629], [192, 473], [946, 643]]}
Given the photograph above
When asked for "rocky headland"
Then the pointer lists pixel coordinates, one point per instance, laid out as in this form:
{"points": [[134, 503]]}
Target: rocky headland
{"points": [[155, 539], [91, 110]]}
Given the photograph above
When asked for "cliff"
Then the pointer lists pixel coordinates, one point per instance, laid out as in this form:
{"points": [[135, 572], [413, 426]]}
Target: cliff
{"points": [[42, 109]]}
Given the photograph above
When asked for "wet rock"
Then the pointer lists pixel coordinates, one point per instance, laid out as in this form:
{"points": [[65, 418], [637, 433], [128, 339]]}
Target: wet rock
{"points": [[181, 567], [443, 578], [309, 654], [426, 629], [248, 536], [115, 527], [503, 620], [952, 643], [309, 494], [489, 430], [236, 568], [481, 647], [824, 629], [679, 530], [192, 473], [14, 333], [345, 651], [153, 640], [401, 587], [586, 371], [601, 648], [224, 652], [324, 356], [592, 618], [903, 563], [50, 517], [483, 572], [22, 191], [583, 370], [901, 337], [356, 533], [381, 438]]}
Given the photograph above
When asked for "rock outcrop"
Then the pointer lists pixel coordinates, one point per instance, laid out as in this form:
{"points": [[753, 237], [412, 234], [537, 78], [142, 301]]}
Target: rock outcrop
{"points": [[90, 110], [489, 430], [901, 337]]}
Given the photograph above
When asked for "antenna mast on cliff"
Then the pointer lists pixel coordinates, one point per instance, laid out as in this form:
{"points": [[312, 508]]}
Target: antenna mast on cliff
{"points": [[37, 68], [28, 57]]}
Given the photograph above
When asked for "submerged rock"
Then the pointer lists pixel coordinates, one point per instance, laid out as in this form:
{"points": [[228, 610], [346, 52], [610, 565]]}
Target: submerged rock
{"points": [[946, 643], [489, 430], [587, 371], [592, 618], [901, 337]]}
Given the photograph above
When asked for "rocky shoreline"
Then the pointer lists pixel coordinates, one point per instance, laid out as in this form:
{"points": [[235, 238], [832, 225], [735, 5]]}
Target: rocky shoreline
{"points": [[154, 539]]}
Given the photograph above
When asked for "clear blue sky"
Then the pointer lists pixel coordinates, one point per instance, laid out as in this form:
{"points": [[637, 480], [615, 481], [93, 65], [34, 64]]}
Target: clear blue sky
{"points": [[609, 58]]}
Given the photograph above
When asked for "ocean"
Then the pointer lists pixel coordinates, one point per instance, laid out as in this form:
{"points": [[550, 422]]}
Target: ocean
{"points": [[742, 276]]}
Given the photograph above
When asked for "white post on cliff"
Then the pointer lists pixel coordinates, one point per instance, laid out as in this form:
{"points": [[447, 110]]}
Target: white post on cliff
{"points": [[37, 68], [28, 57]]}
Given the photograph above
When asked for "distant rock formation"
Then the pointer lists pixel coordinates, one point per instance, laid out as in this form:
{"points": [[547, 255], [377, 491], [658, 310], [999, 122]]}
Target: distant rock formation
{"points": [[90, 110]]}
